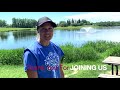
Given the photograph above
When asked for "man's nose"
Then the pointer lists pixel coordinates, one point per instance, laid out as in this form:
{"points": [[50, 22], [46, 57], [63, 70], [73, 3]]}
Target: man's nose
{"points": [[47, 31]]}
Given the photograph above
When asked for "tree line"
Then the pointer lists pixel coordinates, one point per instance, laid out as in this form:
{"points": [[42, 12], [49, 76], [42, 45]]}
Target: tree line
{"points": [[19, 23], [74, 23], [108, 23], [23, 23], [31, 23]]}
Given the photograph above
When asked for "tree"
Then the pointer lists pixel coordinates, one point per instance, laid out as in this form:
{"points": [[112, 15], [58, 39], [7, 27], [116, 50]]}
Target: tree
{"points": [[78, 21], [3, 23], [68, 23], [62, 24]]}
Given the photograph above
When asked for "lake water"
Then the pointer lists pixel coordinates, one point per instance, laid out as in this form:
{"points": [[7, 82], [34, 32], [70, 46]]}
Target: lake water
{"points": [[19, 39]]}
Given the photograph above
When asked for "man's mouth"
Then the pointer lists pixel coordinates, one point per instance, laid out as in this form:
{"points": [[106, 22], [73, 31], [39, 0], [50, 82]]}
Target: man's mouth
{"points": [[47, 36]]}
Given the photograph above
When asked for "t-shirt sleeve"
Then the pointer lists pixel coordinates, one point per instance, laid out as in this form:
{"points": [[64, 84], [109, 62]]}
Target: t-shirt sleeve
{"points": [[29, 61], [61, 53]]}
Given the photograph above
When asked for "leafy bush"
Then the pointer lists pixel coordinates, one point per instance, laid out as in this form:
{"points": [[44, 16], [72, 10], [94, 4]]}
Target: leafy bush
{"points": [[88, 53], [115, 51], [100, 46], [11, 57], [74, 54]]}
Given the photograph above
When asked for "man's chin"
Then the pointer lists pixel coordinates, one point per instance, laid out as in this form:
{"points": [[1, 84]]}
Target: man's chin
{"points": [[47, 40]]}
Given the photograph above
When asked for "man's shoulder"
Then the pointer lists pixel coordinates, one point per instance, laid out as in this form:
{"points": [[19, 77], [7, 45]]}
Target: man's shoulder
{"points": [[55, 45], [32, 47]]}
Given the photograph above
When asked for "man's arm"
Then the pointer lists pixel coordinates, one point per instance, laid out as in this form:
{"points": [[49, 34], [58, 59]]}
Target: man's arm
{"points": [[31, 74], [29, 62], [61, 70]]}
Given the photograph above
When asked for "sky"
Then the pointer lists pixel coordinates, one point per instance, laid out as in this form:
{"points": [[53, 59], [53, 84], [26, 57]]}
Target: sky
{"points": [[62, 16]]}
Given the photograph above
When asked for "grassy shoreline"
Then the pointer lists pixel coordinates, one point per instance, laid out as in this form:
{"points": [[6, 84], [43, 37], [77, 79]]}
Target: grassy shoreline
{"points": [[14, 29], [57, 28], [75, 27], [91, 51]]}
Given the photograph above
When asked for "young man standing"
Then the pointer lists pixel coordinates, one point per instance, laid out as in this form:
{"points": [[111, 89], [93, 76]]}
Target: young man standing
{"points": [[43, 58]]}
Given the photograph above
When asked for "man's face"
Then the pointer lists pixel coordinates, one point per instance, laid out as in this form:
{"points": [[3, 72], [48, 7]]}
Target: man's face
{"points": [[46, 32]]}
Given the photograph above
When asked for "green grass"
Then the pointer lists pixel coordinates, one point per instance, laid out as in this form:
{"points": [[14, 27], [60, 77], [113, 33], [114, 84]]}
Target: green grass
{"points": [[88, 73], [69, 28], [3, 29], [11, 57], [12, 71], [14, 29], [75, 27], [17, 71]]}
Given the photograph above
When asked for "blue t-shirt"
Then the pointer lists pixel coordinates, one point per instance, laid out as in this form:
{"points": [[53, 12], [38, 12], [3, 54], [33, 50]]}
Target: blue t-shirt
{"points": [[45, 60]]}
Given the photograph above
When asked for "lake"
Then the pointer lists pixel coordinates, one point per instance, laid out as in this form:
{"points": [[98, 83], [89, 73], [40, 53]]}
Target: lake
{"points": [[20, 39]]}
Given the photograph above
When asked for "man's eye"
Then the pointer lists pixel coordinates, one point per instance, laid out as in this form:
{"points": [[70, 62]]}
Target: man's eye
{"points": [[50, 28], [43, 29]]}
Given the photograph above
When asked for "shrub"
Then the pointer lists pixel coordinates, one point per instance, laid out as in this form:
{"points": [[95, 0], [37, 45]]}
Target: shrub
{"points": [[100, 46], [115, 51], [74, 54], [11, 57]]}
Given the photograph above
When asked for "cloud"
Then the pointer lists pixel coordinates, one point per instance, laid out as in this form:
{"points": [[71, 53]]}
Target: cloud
{"points": [[97, 16]]}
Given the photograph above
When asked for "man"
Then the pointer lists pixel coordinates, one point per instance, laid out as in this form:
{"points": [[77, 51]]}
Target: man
{"points": [[42, 58]]}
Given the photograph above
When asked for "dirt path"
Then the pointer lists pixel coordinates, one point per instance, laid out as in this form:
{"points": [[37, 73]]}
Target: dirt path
{"points": [[74, 72]]}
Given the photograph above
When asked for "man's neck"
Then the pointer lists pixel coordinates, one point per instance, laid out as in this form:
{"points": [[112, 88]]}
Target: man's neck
{"points": [[44, 43]]}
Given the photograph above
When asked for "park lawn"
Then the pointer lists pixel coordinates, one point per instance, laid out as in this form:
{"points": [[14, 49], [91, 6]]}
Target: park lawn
{"points": [[86, 73], [12, 71], [17, 71]]}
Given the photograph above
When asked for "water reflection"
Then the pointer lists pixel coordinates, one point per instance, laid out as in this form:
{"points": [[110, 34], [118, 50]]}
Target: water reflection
{"points": [[3, 36], [23, 34]]}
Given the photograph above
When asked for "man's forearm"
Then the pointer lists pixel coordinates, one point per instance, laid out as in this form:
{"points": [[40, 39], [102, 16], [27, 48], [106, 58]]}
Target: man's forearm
{"points": [[62, 74]]}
